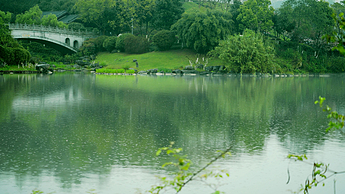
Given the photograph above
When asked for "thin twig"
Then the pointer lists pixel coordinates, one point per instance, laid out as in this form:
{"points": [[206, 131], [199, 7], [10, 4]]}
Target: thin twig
{"points": [[207, 165]]}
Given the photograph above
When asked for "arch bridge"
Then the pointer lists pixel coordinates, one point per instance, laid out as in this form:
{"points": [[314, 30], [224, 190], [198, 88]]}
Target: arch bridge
{"points": [[64, 40]]}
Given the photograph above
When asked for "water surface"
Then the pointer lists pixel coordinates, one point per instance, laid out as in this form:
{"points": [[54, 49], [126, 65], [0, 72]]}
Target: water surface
{"points": [[77, 133]]}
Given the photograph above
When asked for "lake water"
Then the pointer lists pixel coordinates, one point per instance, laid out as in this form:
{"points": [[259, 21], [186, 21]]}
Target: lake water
{"points": [[80, 133]]}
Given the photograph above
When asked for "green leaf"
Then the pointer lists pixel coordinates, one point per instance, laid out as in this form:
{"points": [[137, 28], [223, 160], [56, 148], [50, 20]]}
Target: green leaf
{"points": [[158, 152]]}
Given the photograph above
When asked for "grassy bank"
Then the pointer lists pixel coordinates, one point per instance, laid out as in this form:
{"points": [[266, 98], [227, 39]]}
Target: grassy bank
{"points": [[172, 59]]}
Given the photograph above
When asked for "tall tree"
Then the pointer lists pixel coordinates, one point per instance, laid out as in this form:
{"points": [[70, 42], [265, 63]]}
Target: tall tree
{"points": [[33, 16], [234, 10], [11, 52], [249, 53], [95, 12], [312, 20], [167, 12], [51, 20], [17, 6], [144, 12], [256, 15], [203, 31]]}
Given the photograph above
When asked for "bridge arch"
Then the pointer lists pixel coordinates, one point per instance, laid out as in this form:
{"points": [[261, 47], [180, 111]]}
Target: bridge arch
{"points": [[68, 41], [76, 44]]}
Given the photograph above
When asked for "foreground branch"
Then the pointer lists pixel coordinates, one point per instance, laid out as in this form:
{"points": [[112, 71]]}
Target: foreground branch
{"points": [[207, 165]]}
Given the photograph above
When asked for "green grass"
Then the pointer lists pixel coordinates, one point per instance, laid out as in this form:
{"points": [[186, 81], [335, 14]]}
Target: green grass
{"points": [[172, 59]]}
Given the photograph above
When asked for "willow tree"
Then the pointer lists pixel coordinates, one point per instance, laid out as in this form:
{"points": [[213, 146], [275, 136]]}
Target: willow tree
{"points": [[203, 31], [247, 53]]}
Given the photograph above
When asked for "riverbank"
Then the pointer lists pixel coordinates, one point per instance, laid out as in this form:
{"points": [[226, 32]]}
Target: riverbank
{"points": [[172, 59]]}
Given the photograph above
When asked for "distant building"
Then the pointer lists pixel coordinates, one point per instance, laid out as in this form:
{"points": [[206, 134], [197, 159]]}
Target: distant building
{"points": [[62, 16]]}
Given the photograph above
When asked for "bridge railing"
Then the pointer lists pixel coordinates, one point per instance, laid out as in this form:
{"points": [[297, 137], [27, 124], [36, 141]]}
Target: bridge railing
{"points": [[50, 29]]}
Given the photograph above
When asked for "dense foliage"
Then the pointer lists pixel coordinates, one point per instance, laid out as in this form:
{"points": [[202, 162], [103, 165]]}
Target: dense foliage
{"points": [[120, 44], [249, 53], [11, 52], [136, 44], [203, 31], [255, 15], [109, 44], [164, 39], [167, 12], [34, 16]]}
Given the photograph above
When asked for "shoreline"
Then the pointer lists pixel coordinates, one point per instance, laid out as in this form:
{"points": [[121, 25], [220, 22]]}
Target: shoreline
{"points": [[204, 74]]}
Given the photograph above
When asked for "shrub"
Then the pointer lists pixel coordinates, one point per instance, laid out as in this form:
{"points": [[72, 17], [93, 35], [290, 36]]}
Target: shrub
{"points": [[125, 67], [136, 45], [130, 71], [164, 39], [76, 26], [249, 53], [165, 70], [99, 43], [109, 43], [110, 70], [336, 64], [89, 47], [120, 44], [120, 70]]}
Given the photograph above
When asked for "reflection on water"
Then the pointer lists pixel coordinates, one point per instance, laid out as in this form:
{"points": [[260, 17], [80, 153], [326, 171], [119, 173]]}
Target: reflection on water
{"points": [[70, 133]]}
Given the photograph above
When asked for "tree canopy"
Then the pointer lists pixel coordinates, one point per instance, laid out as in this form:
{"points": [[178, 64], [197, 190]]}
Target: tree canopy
{"points": [[203, 31], [166, 13], [256, 15], [247, 53]]}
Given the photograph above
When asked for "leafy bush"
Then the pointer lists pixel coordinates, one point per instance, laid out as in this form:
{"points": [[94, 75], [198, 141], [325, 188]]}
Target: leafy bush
{"points": [[130, 71], [89, 47], [76, 26], [125, 67], [165, 70], [136, 45], [110, 43], [110, 70], [336, 64], [99, 43], [164, 39], [249, 53], [120, 70], [120, 44]]}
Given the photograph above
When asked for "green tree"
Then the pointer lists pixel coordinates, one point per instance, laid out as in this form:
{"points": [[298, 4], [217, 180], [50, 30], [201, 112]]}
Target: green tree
{"points": [[144, 13], [249, 53], [51, 20], [57, 5], [17, 6], [11, 52], [122, 15], [203, 31], [95, 12], [110, 43], [283, 21], [166, 13], [256, 15], [136, 44], [5, 17], [312, 20], [164, 39], [33, 16], [76, 26], [120, 42], [234, 11]]}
